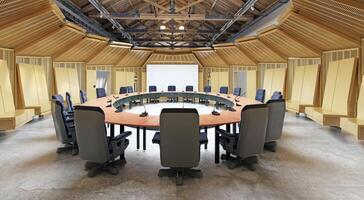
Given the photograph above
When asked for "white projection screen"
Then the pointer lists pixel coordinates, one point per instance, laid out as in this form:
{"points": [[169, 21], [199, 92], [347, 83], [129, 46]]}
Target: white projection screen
{"points": [[163, 75]]}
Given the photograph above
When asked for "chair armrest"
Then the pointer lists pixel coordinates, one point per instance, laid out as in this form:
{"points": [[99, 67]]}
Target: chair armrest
{"points": [[121, 136], [226, 133]]}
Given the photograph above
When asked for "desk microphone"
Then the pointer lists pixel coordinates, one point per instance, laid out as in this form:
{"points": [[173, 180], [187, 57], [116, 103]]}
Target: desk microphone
{"points": [[237, 99], [143, 114], [108, 105], [119, 109], [116, 97], [231, 109], [214, 112]]}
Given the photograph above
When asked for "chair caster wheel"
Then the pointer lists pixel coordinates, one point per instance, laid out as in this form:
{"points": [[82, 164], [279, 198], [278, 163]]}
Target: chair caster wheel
{"points": [[252, 167], [232, 165], [223, 157]]}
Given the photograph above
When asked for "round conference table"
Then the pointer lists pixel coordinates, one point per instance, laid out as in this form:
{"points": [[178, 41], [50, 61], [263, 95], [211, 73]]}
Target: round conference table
{"points": [[113, 107]]}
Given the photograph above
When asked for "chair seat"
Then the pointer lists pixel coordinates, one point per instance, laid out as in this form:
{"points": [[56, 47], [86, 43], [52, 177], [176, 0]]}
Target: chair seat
{"points": [[157, 138]]}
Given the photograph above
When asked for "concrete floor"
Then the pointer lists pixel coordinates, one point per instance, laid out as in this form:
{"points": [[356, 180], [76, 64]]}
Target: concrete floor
{"points": [[312, 162]]}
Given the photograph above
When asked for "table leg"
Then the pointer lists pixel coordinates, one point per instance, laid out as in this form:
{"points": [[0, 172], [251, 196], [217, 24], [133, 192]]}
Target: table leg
{"points": [[122, 129], [217, 145], [228, 127], [112, 130], [234, 128], [138, 137], [206, 134], [144, 139]]}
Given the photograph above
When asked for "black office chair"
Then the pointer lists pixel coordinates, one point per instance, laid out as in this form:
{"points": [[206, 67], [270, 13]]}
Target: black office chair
{"points": [[189, 88], [123, 90], [224, 90], [83, 96], [249, 142], [179, 142], [153, 88], [172, 88], [69, 102], [277, 95], [237, 91], [100, 92], [260, 95], [95, 147], [277, 111], [206, 89], [66, 112], [64, 127], [130, 89]]}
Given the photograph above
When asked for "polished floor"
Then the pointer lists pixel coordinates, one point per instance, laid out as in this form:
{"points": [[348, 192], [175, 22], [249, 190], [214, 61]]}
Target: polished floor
{"points": [[312, 162]]}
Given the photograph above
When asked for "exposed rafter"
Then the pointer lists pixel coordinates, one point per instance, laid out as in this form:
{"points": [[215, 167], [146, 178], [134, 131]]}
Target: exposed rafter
{"points": [[103, 11], [247, 5]]}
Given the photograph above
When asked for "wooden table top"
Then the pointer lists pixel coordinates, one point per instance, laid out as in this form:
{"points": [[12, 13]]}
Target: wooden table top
{"points": [[152, 121]]}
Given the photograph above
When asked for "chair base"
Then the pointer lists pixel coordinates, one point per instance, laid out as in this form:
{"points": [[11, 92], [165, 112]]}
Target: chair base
{"points": [[179, 173], [112, 167], [271, 146], [233, 162], [68, 147]]}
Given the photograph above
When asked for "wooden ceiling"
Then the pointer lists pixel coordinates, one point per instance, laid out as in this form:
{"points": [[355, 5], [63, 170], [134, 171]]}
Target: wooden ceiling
{"points": [[38, 28], [142, 19]]}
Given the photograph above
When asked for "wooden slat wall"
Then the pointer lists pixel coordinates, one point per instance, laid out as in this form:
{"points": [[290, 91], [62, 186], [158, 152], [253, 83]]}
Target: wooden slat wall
{"points": [[234, 56], [158, 58], [8, 55], [314, 34], [335, 13], [81, 71], [46, 62], [329, 56], [108, 56], [260, 51], [135, 58], [292, 63], [261, 68], [210, 59]]}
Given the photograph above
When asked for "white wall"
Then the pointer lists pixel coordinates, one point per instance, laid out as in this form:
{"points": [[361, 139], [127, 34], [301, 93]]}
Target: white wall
{"points": [[172, 74]]}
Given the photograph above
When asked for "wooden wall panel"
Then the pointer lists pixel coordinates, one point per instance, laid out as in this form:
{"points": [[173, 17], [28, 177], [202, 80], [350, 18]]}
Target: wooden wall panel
{"points": [[314, 34], [109, 56], [158, 58], [210, 59], [6, 93], [287, 45], [259, 51], [234, 56], [15, 9], [135, 58], [24, 31], [49, 45], [335, 14], [82, 51]]}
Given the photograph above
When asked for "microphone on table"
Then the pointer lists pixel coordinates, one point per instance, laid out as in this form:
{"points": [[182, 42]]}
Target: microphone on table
{"points": [[214, 112], [116, 97], [237, 98], [143, 114], [231, 109], [119, 109]]}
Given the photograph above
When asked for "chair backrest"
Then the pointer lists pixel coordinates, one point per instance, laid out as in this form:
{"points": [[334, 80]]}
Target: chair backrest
{"points": [[237, 91], [91, 134], [83, 96], [253, 125], [207, 89], [277, 95], [69, 102], [58, 117], [130, 89], [179, 137], [123, 90], [224, 90], [59, 98], [260, 95], [171, 88], [100, 92], [277, 111], [189, 88], [152, 88]]}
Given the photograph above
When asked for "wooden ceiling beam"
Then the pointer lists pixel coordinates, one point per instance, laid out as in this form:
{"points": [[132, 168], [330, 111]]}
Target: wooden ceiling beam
{"points": [[156, 5], [189, 5]]}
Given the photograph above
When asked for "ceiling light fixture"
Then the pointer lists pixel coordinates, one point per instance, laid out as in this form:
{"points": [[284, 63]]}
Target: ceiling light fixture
{"points": [[162, 27], [181, 28], [252, 8]]}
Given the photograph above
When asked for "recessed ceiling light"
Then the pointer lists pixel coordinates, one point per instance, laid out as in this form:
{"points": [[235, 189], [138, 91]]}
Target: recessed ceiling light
{"points": [[162, 27], [252, 8], [181, 28]]}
